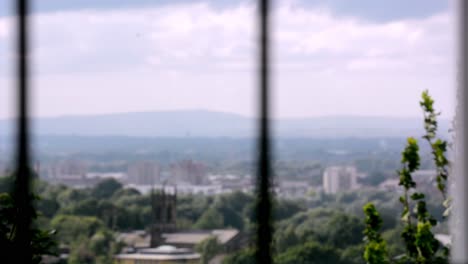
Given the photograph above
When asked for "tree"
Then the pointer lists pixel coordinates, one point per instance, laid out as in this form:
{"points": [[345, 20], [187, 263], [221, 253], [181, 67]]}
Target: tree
{"points": [[311, 253], [211, 219], [106, 188], [352, 254], [47, 207], [70, 196], [229, 216], [245, 256], [86, 207], [343, 230], [80, 252], [89, 240], [126, 192], [284, 209], [208, 249], [69, 227], [375, 251], [285, 239], [42, 241]]}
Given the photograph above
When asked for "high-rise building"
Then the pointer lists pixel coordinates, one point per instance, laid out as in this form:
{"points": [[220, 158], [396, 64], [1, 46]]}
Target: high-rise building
{"points": [[188, 171], [144, 172], [63, 169], [339, 178]]}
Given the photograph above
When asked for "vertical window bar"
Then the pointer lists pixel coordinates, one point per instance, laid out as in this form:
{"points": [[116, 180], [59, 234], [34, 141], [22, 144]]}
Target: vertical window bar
{"points": [[264, 204], [22, 192], [459, 228]]}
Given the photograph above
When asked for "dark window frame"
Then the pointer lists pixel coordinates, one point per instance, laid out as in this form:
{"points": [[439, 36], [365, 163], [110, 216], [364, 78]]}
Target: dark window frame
{"points": [[22, 191], [22, 186]]}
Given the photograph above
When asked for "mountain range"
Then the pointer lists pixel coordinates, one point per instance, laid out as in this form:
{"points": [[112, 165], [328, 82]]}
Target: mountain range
{"points": [[202, 123]]}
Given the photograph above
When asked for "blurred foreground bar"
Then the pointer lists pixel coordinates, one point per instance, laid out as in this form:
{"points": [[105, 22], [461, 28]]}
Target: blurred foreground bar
{"points": [[460, 188]]}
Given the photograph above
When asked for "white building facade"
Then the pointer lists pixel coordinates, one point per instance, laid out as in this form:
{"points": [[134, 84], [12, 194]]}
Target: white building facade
{"points": [[339, 179]]}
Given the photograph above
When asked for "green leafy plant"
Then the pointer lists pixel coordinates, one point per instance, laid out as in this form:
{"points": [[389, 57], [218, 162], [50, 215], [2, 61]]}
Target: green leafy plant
{"points": [[208, 249], [375, 251], [438, 147], [417, 234], [42, 241]]}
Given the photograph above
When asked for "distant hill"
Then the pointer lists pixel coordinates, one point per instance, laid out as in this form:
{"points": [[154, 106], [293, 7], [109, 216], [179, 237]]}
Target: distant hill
{"points": [[200, 123]]}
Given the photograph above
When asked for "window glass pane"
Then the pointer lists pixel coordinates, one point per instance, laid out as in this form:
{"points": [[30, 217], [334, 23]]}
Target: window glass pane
{"points": [[348, 80], [138, 95], [7, 97]]}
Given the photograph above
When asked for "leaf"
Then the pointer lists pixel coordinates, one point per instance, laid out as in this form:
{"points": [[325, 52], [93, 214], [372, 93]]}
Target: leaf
{"points": [[417, 196], [402, 199]]}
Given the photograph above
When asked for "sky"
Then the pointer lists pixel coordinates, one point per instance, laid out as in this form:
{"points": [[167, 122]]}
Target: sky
{"points": [[329, 57]]}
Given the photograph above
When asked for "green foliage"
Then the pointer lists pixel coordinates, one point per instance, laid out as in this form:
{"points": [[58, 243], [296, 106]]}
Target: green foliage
{"points": [[245, 256], [106, 188], [42, 241], [208, 249], [85, 207], [88, 238], [191, 207], [285, 239], [127, 192], [211, 219], [47, 207], [329, 227], [80, 252], [283, 209], [71, 196], [310, 252], [375, 251], [352, 254], [69, 227], [410, 163], [438, 147], [342, 230], [418, 223]]}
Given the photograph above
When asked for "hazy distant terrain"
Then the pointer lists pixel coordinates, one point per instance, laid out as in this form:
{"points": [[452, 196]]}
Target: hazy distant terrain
{"points": [[201, 123]]}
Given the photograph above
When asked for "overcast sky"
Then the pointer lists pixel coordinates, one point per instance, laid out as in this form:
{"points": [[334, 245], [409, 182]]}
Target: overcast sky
{"points": [[329, 57]]}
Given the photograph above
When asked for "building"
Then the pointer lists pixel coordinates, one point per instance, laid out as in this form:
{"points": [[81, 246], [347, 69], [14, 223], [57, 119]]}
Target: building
{"points": [[392, 185], [163, 243], [292, 189], [63, 169], [339, 178], [144, 172], [164, 207], [230, 239], [160, 255], [188, 171]]}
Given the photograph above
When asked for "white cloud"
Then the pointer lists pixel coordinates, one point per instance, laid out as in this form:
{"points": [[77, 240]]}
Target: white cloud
{"points": [[339, 56], [393, 44], [198, 34], [3, 29]]}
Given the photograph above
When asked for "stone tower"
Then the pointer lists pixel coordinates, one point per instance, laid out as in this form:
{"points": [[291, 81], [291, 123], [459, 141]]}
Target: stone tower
{"points": [[163, 204]]}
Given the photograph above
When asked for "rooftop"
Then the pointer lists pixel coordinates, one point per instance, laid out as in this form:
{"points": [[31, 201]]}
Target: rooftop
{"points": [[141, 238], [164, 252]]}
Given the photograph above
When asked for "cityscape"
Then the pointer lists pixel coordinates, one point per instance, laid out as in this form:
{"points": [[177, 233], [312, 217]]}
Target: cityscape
{"points": [[151, 207], [230, 132]]}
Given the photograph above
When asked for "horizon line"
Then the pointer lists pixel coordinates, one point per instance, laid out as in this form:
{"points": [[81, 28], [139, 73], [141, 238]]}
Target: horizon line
{"points": [[78, 115]]}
